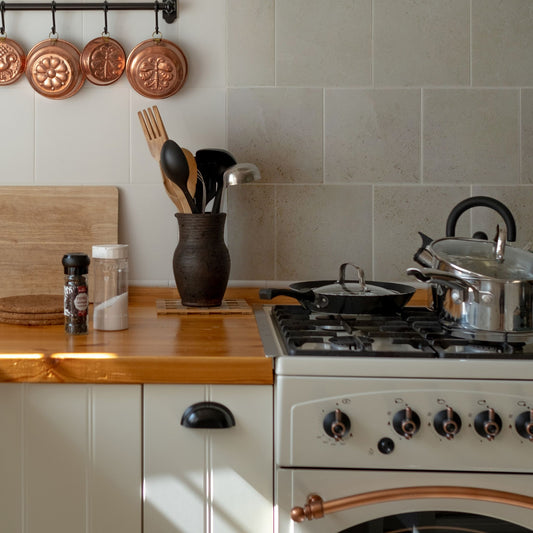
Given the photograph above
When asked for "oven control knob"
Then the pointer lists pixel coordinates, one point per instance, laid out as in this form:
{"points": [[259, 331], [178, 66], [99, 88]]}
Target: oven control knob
{"points": [[406, 422], [488, 424], [447, 423], [524, 424], [336, 424]]}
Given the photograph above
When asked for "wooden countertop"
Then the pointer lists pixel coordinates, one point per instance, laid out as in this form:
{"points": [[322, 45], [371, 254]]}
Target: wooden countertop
{"points": [[213, 348], [154, 349]]}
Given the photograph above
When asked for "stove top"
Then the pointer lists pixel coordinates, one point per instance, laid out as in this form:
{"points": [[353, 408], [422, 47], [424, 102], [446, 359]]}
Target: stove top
{"points": [[412, 333]]}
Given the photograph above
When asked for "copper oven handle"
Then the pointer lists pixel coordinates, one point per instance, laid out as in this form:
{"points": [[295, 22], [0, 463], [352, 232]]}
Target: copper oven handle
{"points": [[315, 507]]}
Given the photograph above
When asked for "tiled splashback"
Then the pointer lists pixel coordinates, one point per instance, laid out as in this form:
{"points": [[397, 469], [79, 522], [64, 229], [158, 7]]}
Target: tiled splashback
{"points": [[369, 120]]}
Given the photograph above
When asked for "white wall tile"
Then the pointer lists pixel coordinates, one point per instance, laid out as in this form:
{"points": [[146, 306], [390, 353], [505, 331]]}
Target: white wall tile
{"points": [[471, 136], [502, 43], [17, 145], [278, 129], [320, 227], [324, 97], [372, 135], [421, 42], [399, 214], [147, 224], [251, 231], [250, 42], [325, 44], [83, 139]]}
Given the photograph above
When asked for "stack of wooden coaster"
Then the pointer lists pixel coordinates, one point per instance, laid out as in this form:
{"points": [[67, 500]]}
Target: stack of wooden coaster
{"points": [[32, 310]]}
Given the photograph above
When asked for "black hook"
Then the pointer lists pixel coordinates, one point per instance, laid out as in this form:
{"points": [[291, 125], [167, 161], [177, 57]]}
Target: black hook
{"points": [[106, 8], [53, 18], [156, 18], [2, 10]]}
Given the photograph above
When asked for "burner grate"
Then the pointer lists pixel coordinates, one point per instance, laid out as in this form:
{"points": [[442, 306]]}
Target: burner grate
{"points": [[412, 333]]}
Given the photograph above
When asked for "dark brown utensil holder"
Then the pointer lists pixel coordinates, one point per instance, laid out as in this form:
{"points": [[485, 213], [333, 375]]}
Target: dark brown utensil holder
{"points": [[201, 261]]}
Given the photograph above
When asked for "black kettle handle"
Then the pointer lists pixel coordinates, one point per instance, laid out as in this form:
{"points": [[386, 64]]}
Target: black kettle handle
{"points": [[481, 201]]}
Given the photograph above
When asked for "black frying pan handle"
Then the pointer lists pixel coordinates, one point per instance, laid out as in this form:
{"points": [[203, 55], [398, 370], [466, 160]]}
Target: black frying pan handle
{"points": [[482, 201], [268, 294]]}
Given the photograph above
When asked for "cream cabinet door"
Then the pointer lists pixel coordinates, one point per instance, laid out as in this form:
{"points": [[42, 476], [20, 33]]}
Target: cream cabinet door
{"points": [[208, 480], [70, 458]]}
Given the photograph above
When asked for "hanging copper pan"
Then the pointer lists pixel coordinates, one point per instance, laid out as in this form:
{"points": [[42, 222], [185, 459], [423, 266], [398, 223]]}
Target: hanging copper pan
{"points": [[156, 68], [53, 69], [103, 60], [12, 61]]}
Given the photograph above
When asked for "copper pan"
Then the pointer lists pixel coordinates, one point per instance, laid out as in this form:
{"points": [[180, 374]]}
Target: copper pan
{"points": [[103, 60], [53, 69], [156, 68], [12, 61]]}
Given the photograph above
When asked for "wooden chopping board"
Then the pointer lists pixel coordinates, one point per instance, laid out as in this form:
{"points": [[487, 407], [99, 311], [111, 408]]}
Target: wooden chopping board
{"points": [[38, 225]]}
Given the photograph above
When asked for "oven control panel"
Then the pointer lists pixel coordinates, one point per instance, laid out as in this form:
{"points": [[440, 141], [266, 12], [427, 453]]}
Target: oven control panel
{"points": [[426, 424]]}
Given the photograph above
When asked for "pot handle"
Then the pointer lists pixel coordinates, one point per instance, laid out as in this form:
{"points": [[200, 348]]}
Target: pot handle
{"points": [[269, 294], [481, 201], [440, 277]]}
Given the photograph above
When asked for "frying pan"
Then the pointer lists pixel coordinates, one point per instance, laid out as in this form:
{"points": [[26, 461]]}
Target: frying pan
{"points": [[346, 296]]}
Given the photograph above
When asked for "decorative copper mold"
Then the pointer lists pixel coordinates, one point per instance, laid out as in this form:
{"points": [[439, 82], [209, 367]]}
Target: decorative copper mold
{"points": [[156, 68], [12, 61], [103, 60], [53, 69]]}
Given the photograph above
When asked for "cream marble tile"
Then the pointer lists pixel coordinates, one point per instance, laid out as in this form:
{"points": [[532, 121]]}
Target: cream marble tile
{"points": [[323, 43], [399, 214], [471, 136], [319, 227], [421, 43], [502, 43], [251, 231], [250, 42], [372, 136], [280, 130]]}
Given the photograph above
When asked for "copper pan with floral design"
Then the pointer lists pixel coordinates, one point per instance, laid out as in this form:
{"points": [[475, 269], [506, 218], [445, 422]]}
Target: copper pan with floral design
{"points": [[103, 60], [53, 69], [156, 68], [12, 61]]}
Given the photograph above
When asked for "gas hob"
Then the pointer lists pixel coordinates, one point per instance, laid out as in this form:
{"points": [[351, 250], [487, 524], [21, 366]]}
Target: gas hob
{"points": [[411, 343]]}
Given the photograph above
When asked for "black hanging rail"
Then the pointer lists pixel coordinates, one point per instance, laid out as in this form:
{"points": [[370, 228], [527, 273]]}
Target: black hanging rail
{"points": [[169, 8]]}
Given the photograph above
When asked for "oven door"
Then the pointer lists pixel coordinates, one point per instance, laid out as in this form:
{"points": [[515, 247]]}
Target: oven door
{"points": [[365, 501]]}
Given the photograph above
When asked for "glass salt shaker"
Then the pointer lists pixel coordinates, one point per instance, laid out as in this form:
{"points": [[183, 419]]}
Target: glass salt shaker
{"points": [[76, 293], [110, 266]]}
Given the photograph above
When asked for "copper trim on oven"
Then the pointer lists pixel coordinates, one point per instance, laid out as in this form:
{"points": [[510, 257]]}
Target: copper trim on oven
{"points": [[316, 507]]}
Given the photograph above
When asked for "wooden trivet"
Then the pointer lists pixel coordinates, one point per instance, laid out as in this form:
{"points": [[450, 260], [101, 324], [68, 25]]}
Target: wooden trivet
{"points": [[228, 307]]}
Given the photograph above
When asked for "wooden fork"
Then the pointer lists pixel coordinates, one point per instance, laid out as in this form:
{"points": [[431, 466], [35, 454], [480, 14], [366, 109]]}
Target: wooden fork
{"points": [[156, 135]]}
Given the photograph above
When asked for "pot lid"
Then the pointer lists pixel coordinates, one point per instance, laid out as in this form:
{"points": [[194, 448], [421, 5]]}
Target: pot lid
{"points": [[478, 258], [343, 287]]}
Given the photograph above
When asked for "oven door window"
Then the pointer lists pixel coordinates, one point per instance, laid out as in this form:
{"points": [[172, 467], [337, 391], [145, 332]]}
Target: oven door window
{"points": [[437, 522]]}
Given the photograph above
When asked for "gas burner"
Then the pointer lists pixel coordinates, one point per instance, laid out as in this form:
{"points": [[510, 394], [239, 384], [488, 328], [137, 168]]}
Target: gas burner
{"points": [[413, 332]]}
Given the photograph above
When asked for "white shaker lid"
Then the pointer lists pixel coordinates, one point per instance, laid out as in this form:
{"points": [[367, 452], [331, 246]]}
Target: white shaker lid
{"points": [[110, 251]]}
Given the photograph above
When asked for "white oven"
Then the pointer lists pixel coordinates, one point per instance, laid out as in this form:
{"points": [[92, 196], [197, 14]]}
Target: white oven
{"points": [[401, 443]]}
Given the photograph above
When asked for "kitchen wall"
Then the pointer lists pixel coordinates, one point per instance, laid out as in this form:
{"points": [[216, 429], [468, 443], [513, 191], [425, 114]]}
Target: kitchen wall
{"points": [[369, 121]]}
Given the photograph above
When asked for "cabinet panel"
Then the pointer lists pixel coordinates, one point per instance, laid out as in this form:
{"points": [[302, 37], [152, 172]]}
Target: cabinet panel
{"points": [[208, 480], [73, 458]]}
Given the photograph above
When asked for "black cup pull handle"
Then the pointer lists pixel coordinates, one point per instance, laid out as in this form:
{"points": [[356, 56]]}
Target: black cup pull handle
{"points": [[207, 415]]}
